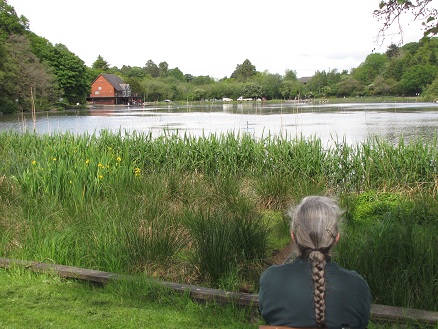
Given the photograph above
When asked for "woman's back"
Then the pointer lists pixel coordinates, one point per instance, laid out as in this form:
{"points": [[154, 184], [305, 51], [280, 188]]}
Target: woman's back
{"points": [[313, 291], [286, 296]]}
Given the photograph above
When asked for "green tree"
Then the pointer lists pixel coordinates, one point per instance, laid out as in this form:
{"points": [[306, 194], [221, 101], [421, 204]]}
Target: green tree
{"points": [[431, 93], [290, 75], [416, 78], [244, 71], [392, 51], [157, 90], [202, 80], [433, 59], [383, 87], [70, 71], [373, 66], [317, 82], [177, 74], [28, 81], [100, 64], [199, 93], [72, 75], [188, 77], [292, 89], [163, 69], [394, 70], [10, 23], [349, 87], [135, 85], [226, 88], [251, 90], [133, 72], [270, 86], [152, 69]]}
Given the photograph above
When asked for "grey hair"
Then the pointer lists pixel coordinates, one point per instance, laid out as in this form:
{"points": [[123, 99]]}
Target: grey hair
{"points": [[315, 228], [315, 223]]}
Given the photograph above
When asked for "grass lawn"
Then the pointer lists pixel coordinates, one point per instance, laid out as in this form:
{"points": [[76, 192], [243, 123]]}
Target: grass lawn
{"points": [[33, 300], [29, 300]]}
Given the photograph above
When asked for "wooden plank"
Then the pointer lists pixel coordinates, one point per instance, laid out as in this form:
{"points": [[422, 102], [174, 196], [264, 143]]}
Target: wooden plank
{"points": [[378, 312], [400, 314]]}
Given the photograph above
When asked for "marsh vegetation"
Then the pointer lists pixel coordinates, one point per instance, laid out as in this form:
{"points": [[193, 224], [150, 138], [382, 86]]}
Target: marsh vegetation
{"points": [[211, 210]]}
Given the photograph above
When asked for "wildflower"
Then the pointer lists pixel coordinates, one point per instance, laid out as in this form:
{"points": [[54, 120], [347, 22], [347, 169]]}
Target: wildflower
{"points": [[137, 171], [34, 162], [100, 176], [119, 159], [54, 159], [100, 165], [87, 161]]}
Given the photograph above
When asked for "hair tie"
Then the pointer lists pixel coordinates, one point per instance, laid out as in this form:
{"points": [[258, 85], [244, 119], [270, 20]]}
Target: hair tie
{"points": [[322, 250], [330, 233]]}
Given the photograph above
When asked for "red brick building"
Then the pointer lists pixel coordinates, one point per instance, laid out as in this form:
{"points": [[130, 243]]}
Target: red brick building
{"points": [[109, 89]]}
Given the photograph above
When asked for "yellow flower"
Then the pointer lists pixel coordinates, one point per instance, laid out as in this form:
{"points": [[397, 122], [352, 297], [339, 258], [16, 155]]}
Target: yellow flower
{"points": [[119, 159], [34, 162], [87, 161], [137, 171], [100, 165], [54, 159], [100, 176]]}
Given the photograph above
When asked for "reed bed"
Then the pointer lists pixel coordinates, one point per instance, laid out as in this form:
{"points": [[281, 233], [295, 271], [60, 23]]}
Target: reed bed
{"points": [[210, 210]]}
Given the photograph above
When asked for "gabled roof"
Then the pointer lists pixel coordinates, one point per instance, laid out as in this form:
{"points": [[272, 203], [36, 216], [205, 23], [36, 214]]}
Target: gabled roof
{"points": [[304, 79], [114, 80]]}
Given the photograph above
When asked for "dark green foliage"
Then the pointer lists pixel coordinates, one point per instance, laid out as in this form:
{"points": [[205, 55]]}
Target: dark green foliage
{"points": [[392, 241], [416, 78], [244, 71], [226, 239], [100, 64], [10, 23]]}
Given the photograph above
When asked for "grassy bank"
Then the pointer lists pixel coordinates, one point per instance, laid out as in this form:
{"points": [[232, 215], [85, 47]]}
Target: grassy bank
{"points": [[211, 210], [30, 300], [41, 301]]}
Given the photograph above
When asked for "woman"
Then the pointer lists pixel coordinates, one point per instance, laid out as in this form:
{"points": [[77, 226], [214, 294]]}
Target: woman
{"points": [[313, 291]]}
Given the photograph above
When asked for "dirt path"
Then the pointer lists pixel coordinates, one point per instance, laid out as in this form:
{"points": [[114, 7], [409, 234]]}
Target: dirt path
{"points": [[282, 255]]}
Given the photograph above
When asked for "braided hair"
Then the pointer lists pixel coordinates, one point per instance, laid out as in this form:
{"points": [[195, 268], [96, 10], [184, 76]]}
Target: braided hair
{"points": [[315, 231]]}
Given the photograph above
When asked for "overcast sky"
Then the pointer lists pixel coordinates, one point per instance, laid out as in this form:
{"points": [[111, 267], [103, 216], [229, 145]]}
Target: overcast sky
{"points": [[203, 37]]}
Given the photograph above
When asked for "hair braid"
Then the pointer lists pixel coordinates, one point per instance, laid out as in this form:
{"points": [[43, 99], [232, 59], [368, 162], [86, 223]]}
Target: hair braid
{"points": [[318, 277], [315, 231]]}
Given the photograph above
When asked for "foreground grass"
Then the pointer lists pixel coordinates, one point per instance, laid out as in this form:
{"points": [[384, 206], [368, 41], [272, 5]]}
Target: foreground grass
{"points": [[33, 300], [29, 300]]}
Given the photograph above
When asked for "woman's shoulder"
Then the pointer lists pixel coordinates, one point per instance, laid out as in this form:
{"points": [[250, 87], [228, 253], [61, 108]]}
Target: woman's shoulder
{"points": [[345, 274], [286, 269]]}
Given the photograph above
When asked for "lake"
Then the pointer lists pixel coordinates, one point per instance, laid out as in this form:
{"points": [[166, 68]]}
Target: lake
{"points": [[353, 122]]}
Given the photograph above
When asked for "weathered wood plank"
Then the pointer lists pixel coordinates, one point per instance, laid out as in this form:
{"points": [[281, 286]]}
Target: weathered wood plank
{"points": [[378, 312], [400, 314]]}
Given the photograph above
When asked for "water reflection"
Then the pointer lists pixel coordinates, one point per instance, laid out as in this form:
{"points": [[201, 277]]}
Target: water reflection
{"points": [[353, 122]]}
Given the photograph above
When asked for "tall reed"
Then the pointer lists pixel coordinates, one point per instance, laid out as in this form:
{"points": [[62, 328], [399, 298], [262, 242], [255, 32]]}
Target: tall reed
{"points": [[121, 202]]}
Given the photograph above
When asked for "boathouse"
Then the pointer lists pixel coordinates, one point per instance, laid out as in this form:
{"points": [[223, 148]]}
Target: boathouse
{"points": [[109, 89]]}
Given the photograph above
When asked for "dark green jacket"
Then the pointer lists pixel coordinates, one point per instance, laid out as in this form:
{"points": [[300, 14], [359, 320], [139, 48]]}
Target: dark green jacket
{"points": [[286, 296]]}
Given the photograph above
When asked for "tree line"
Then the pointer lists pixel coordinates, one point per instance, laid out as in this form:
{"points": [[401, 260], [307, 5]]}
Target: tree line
{"points": [[36, 73]]}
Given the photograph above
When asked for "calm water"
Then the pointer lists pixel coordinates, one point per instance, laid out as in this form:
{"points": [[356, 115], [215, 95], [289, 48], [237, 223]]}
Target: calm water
{"points": [[352, 122]]}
